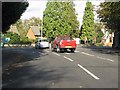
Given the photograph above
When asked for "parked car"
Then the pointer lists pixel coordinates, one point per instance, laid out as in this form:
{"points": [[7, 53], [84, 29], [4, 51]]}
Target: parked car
{"points": [[63, 43], [42, 43]]}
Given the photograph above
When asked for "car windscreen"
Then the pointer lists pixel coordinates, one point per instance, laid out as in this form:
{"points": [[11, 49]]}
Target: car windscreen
{"points": [[43, 40], [66, 38]]}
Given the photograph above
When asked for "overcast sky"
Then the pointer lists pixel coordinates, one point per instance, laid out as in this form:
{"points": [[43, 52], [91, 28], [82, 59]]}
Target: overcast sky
{"points": [[37, 7]]}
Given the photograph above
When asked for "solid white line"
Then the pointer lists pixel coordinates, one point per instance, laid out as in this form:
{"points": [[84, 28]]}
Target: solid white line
{"points": [[105, 59], [68, 58], [87, 54], [88, 72], [56, 54]]}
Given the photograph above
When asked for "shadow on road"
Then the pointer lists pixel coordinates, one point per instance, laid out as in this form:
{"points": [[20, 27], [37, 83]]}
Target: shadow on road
{"points": [[31, 77], [21, 69], [17, 55]]}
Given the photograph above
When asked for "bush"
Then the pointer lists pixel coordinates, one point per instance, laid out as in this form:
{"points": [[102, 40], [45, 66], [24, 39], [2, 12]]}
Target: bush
{"points": [[24, 40], [14, 38], [98, 44]]}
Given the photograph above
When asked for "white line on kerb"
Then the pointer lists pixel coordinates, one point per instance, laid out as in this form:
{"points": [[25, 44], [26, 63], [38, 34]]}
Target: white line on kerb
{"points": [[87, 54], [105, 59], [88, 72], [68, 58], [56, 54]]}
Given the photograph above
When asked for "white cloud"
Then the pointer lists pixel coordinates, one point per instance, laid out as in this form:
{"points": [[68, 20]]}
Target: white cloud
{"points": [[35, 9]]}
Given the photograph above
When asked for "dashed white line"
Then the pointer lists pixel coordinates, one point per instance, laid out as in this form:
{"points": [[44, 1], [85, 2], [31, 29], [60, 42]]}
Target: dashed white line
{"points": [[47, 51], [105, 59], [94, 76], [56, 54], [67, 53], [87, 54], [81, 87], [68, 58], [76, 51]]}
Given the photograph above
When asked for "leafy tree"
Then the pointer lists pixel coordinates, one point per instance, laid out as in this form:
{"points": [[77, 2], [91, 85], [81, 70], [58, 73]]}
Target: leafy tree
{"points": [[59, 18], [88, 23], [33, 21], [11, 12], [109, 12], [99, 33]]}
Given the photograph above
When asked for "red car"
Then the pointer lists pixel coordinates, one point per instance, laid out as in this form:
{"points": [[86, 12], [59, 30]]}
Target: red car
{"points": [[63, 43]]}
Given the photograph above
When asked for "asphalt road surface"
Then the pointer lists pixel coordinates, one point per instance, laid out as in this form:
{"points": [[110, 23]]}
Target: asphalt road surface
{"points": [[41, 68]]}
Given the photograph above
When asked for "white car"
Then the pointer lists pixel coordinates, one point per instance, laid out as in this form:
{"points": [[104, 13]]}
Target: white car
{"points": [[42, 43]]}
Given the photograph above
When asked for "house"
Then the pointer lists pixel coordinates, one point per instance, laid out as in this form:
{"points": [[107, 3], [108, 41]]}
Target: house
{"points": [[107, 39], [33, 32], [13, 29]]}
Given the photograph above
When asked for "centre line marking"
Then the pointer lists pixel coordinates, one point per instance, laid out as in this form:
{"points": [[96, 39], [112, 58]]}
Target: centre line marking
{"points": [[94, 76], [47, 51], [105, 59], [56, 54], [87, 54], [68, 58], [76, 51], [67, 53]]}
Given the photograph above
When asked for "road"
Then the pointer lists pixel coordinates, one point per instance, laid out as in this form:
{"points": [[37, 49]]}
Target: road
{"points": [[41, 68]]}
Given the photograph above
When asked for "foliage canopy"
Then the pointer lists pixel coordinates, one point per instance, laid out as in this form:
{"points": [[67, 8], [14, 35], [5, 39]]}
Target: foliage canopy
{"points": [[87, 29], [59, 18], [11, 12], [109, 12]]}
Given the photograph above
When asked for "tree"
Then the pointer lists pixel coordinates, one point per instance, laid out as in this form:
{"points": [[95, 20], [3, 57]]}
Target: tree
{"points": [[59, 18], [11, 12], [88, 23], [109, 13], [99, 33]]}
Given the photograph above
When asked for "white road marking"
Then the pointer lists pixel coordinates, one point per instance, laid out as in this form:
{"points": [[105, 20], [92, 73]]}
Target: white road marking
{"points": [[105, 59], [67, 53], [47, 51], [68, 58], [56, 54], [87, 54], [94, 76], [81, 86], [76, 51]]}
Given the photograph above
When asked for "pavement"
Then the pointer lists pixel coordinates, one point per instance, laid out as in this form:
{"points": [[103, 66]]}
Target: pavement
{"points": [[104, 49]]}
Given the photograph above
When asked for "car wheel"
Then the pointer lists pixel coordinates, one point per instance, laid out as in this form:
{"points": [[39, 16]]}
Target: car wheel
{"points": [[58, 49], [73, 50], [52, 49], [35, 47]]}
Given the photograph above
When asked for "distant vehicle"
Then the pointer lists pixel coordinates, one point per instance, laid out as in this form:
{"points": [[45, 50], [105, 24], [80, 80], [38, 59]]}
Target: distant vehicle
{"points": [[42, 43], [63, 43]]}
